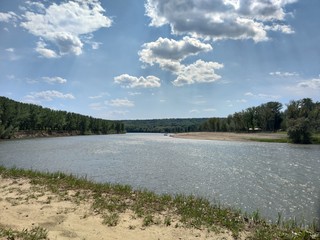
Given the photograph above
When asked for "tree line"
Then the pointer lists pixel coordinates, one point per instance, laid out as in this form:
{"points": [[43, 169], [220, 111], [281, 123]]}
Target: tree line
{"points": [[171, 125], [16, 116], [301, 119]]}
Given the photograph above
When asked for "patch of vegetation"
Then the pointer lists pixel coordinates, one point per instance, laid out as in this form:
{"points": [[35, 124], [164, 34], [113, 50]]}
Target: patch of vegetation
{"points": [[111, 220], [110, 200], [270, 140], [36, 233]]}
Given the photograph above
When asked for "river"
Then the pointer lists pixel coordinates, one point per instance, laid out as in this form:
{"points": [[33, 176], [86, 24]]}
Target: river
{"points": [[270, 177]]}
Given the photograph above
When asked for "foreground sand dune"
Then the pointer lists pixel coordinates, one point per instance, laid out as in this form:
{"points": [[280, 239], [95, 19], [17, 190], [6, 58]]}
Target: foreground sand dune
{"points": [[25, 206]]}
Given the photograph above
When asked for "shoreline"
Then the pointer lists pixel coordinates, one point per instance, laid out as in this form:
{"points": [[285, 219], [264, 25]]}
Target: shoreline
{"points": [[60, 206], [230, 136]]}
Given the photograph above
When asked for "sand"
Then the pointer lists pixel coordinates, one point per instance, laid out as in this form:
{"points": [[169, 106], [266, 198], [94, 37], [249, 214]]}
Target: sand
{"points": [[24, 206], [228, 136]]}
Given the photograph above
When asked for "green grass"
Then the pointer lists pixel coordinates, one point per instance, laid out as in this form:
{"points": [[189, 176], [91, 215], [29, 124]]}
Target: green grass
{"points": [[269, 140], [110, 200], [36, 233]]}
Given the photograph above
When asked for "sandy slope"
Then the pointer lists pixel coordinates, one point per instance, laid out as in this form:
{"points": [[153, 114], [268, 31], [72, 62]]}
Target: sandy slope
{"points": [[23, 206]]}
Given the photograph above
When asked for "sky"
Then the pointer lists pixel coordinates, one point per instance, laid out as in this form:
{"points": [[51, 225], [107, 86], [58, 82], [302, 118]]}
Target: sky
{"points": [[125, 59]]}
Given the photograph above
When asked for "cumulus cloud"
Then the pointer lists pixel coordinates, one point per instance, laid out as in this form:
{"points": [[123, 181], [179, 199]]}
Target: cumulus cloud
{"points": [[137, 82], [120, 103], [48, 96], [198, 72], [220, 19], [45, 52], [284, 74], [63, 25], [53, 80], [168, 52], [313, 83]]}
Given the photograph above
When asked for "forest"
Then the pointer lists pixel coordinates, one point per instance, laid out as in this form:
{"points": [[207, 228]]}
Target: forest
{"points": [[172, 125], [18, 117], [300, 119]]}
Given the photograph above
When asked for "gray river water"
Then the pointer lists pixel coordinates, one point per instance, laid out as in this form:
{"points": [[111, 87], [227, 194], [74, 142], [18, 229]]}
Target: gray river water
{"points": [[252, 176]]}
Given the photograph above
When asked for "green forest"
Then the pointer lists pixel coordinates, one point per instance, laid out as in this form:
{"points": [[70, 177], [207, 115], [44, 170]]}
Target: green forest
{"points": [[16, 117], [172, 125], [300, 119]]}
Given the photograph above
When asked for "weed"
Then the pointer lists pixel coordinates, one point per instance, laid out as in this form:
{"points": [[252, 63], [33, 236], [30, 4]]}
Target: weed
{"points": [[148, 220], [167, 221], [36, 233], [111, 219]]}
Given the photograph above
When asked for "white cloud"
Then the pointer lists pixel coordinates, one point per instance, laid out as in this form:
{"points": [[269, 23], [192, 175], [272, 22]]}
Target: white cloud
{"points": [[284, 74], [262, 95], [313, 83], [8, 17], [134, 93], [220, 19], [53, 80], [194, 111], [120, 103], [209, 110], [198, 72], [48, 96], [97, 106], [135, 82], [168, 53], [280, 28], [100, 95], [45, 52], [12, 56], [63, 25]]}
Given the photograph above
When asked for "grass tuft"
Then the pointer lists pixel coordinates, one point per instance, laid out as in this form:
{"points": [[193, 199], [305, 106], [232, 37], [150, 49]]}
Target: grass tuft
{"points": [[37, 233]]}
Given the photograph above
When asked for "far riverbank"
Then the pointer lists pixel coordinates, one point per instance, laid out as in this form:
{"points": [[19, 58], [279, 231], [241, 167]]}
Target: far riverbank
{"points": [[230, 136]]}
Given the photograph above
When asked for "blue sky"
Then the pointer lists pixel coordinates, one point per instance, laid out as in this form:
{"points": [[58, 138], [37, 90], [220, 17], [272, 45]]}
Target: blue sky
{"points": [[149, 59]]}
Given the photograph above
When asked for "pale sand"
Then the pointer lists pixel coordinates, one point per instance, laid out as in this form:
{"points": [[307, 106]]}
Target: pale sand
{"points": [[24, 206], [228, 136]]}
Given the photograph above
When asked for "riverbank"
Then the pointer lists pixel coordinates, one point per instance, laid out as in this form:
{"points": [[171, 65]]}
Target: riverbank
{"points": [[59, 206], [230, 136]]}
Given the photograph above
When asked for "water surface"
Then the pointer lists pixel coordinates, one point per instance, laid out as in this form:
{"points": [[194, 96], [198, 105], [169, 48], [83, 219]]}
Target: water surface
{"points": [[247, 175]]}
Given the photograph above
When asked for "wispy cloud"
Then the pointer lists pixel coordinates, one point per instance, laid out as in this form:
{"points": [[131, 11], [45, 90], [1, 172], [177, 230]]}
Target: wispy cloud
{"points": [[100, 95], [262, 95], [312, 84], [49, 95], [284, 74], [120, 102], [53, 80]]}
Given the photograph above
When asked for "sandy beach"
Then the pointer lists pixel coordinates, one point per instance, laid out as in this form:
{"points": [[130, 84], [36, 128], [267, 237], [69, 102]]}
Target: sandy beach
{"points": [[26, 206], [229, 136]]}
